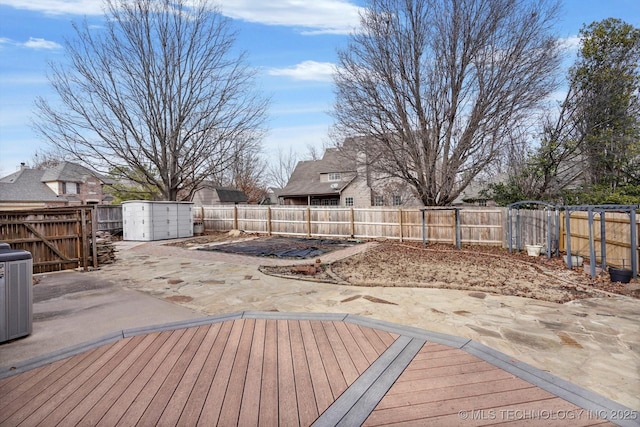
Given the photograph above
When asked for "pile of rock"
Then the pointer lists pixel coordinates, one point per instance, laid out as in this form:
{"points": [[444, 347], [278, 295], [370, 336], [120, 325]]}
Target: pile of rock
{"points": [[105, 249]]}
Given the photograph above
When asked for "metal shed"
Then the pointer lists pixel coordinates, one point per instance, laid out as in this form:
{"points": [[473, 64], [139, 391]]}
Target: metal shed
{"points": [[144, 220]]}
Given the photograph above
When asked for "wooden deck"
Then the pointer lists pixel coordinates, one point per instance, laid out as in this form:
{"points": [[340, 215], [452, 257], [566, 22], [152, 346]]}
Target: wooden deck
{"points": [[264, 370]]}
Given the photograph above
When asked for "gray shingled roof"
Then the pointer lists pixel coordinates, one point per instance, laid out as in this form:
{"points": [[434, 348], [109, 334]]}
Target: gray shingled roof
{"points": [[71, 172], [225, 194], [305, 179], [231, 195], [26, 186]]}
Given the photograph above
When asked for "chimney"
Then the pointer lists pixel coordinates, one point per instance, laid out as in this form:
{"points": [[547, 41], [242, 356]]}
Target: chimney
{"points": [[23, 166]]}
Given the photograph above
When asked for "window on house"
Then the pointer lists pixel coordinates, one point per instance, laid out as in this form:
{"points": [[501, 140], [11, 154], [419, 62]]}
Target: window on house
{"points": [[334, 176], [315, 202], [378, 201], [482, 203], [330, 202], [348, 201], [397, 200], [70, 188]]}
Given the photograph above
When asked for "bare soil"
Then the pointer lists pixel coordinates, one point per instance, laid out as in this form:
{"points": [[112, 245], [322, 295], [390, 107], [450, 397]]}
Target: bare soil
{"points": [[478, 269]]}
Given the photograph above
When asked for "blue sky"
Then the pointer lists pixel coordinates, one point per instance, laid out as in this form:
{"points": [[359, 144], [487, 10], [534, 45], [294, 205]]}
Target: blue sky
{"points": [[293, 43]]}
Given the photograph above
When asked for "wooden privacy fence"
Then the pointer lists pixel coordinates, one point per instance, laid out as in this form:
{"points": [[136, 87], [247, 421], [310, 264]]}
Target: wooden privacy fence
{"points": [[617, 237], [478, 226], [57, 238]]}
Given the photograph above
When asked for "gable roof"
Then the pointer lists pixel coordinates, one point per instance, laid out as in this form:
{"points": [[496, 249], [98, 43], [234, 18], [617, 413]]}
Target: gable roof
{"points": [[208, 190], [305, 179], [71, 172], [231, 195], [26, 185]]}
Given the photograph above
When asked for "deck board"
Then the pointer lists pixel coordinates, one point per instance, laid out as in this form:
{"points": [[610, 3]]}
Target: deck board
{"points": [[252, 393], [307, 408], [442, 383], [210, 411], [269, 371], [337, 380], [95, 414], [319, 379], [92, 392], [269, 398], [287, 414], [38, 396], [193, 408], [235, 388], [138, 407], [14, 388]]}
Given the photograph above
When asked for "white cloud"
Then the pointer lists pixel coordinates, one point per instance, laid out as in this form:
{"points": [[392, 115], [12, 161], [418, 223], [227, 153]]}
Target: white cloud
{"points": [[58, 7], [23, 79], [571, 43], [314, 17], [307, 70], [37, 43]]}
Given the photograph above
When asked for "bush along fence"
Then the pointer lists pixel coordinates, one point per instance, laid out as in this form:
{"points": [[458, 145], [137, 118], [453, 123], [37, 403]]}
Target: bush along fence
{"points": [[475, 226]]}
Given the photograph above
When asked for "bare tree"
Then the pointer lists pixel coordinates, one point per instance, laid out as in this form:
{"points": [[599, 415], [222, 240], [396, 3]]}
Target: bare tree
{"points": [[280, 170], [313, 152], [248, 174], [44, 159], [160, 95], [429, 90]]}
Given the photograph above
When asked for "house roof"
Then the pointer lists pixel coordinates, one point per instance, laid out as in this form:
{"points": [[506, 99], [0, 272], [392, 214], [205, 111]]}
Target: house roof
{"points": [[231, 195], [71, 172], [26, 185], [225, 194], [305, 179]]}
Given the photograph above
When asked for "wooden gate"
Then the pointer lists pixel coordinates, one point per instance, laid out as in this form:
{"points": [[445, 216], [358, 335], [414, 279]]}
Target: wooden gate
{"points": [[57, 238]]}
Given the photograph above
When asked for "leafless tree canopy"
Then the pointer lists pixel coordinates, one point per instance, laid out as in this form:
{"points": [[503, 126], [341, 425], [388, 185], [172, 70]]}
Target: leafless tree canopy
{"points": [[279, 171], [159, 95], [433, 89]]}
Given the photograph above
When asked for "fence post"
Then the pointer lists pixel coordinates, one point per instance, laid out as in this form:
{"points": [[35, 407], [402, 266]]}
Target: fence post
{"points": [[235, 217], [352, 223], [400, 224], [453, 225], [94, 228], [84, 246], [308, 221], [269, 220]]}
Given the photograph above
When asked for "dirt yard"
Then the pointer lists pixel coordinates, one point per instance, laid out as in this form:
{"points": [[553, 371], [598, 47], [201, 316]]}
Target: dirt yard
{"points": [[478, 269]]}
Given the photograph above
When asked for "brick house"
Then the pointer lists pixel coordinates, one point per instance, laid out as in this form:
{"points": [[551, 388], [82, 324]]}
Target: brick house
{"points": [[66, 184]]}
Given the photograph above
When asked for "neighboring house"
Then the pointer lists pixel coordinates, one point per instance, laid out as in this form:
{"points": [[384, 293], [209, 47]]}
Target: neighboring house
{"points": [[66, 184], [210, 194], [477, 193], [271, 196], [337, 181]]}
